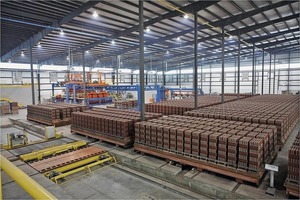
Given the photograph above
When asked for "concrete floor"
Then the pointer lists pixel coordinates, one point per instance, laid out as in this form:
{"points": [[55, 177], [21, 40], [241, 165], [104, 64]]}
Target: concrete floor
{"points": [[126, 183]]}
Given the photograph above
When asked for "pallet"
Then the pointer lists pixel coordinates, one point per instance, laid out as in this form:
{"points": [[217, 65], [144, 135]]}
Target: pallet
{"points": [[56, 123], [240, 176], [291, 188], [125, 142], [51, 163]]}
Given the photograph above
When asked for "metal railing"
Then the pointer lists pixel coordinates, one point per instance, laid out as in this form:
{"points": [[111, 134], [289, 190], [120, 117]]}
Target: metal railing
{"points": [[27, 183]]}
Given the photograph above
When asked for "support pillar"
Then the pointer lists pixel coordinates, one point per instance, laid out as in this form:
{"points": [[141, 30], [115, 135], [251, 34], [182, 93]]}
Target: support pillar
{"points": [[274, 73], [270, 71], [262, 72], [141, 40], [195, 60], [84, 80], [289, 68], [239, 66], [39, 83], [32, 77], [253, 70], [223, 65]]}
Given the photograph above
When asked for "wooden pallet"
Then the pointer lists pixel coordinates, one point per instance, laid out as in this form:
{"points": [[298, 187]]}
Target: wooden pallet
{"points": [[124, 142], [65, 159], [56, 123], [239, 175], [291, 188]]}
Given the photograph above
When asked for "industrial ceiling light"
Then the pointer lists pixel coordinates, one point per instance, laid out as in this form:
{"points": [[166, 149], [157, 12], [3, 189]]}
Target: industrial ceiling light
{"points": [[147, 29], [61, 32], [230, 37], [168, 52], [113, 42], [145, 48], [9, 60], [67, 57], [95, 14], [39, 45], [178, 38], [22, 53], [97, 61], [87, 51], [185, 16]]}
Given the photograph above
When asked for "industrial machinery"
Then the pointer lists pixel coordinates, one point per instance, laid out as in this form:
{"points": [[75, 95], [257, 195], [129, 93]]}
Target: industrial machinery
{"points": [[58, 162], [16, 139]]}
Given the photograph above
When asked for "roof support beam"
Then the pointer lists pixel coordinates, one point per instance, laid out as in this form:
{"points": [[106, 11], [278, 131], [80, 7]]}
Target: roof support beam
{"points": [[269, 36], [242, 16], [55, 25], [199, 5], [219, 23]]}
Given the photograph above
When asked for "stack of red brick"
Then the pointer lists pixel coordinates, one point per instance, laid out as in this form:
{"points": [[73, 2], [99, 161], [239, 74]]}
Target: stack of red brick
{"points": [[126, 104], [53, 114], [111, 125], [292, 181], [280, 110], [14, 108], [9, 108], [180, 106], [235, 144]]}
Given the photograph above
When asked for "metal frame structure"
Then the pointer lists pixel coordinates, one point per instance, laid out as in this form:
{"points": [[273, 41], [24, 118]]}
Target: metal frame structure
{"points": [[91, 33]]}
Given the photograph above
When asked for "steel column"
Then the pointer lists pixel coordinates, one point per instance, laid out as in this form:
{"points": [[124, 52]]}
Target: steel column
{"points": [[253, 71], [223, 65], [234, 76], [180, 76], [262, 72], [131, 77], [141, 40], [239, 66], [195, 61], [156, 76], [118, 67], [164, 75], [201, 78], [270, 71], [255, 74], [83, 79], [210, 79], [289, 67], [274, 74], [31, 76], [39, 83]]}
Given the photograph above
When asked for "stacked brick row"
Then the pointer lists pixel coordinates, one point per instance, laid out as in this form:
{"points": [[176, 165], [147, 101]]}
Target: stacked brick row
{"points": [[180, 106], [280, 110], [293, 161], [112, 125], [53, 114], [211, 140], [9, 108], [126, 104]]}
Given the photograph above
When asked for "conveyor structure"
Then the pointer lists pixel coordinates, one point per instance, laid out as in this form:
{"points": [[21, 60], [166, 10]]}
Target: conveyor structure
{"points": [[38, 155], [64, 160]]}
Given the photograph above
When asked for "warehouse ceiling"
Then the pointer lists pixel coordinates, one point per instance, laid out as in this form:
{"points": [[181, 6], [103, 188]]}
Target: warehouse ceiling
{"points": [[106, 29]]}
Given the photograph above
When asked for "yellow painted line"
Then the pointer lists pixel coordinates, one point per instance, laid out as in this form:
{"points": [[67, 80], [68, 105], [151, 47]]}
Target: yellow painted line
{"points": [[15, 86]]}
